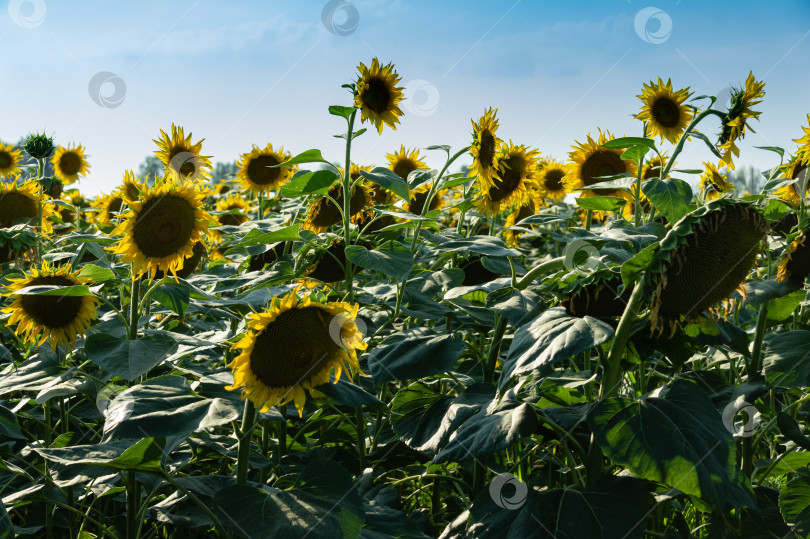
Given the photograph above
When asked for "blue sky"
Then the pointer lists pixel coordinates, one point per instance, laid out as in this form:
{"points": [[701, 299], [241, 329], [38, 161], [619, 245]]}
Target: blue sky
{"points": [[243, 73]]}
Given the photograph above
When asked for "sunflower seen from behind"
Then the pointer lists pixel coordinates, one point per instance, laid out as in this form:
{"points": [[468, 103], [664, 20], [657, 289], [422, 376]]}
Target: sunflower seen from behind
{"points": [[293, 348], [485, 146], [161, 228], [61, 319], [69, 163], [664, 111], [258, 170], [736, 119], [181, 157], [378, 95], [513, 180], [10, 160]]}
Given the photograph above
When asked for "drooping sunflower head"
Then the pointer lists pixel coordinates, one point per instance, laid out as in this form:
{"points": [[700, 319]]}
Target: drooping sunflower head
{"points": [[795, 262], [330, 263], [293, 348], [10, 160], [597, 295], [590, 161], [378, 95], [513, 179], [21, 203], [323, 213], [69, 163], [703, 259], [107, 208], [712, 183], [58, 318], [735, 121], [796, 169], [404, 162], [550, 174], [237, 209], [664, 111], [258, 170], [181, 157], [161, 228], [485, 146]]}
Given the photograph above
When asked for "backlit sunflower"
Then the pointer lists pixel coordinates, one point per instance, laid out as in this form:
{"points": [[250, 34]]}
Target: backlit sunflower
{"points": [[734, 123], [58, 318], [10, 160], [69, 163], [161, 228], [518, 214], [795, 170], [190, 263], [512, 181], [378, 95], [237, 207], [323, 213], [21, 202], [664, 111], [107, 208], [652, 168], [258, 171], [804, 144], [416, 204], [404, 162], [590, 160], [795, 262], [295, 347], [712, 183], [485, 146], [549, 177], [181, 157], [131, 187]]}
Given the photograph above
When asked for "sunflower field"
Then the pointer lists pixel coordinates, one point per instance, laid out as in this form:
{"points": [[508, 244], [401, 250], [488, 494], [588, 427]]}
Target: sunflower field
{"points": [[584, 347]]}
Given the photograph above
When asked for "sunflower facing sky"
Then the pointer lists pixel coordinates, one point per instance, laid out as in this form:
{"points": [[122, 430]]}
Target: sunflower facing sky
{"points": [[69, 163], [258, 171], [10, 160], [485, 146], [590, 160], [664, 111], [404, 162], [181, 157], [734, 123], [294, 347], [58, 318], [19, 202], [513, 180], [549, 177], [712, 183], [161, 228], [378, 95]]}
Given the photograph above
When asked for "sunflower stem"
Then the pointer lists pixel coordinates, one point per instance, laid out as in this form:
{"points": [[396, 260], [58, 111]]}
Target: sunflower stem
{"points": [[282, 434], [613, 372], [637, 192], [261, 210], [588, 219], [245, 436], [132, 505], [347, 199], [494, 348], [135, 286], [361, 436], [755, 366], [679, 147], [548, 266]]}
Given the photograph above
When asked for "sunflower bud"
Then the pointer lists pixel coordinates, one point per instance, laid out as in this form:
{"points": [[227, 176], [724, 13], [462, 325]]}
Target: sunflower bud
{"points": [[39, 146]]}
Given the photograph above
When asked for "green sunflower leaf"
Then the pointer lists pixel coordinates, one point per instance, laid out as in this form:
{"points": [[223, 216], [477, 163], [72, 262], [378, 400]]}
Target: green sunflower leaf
{"points": [[309, 156], [50, 290], [96, 273], [391, 258], [343, 112], [386, 179], [128, 358], [794, 501], [786, 358], [144, 456], [605, 203], [629, 142], [308, 183], [256, 237], [173, 296], [6, 527], [414, 354], [634, 153], [670, 196], [775, 149]]}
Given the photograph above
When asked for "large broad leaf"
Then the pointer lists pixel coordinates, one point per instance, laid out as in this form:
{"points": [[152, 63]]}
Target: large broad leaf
{"points": [[391, 258], [387, 179], [128, 358], [601, 203], [173, 296], [142, 456], [670, 196], [6, 527], [33, 374], [414, 354], [794, 501], [309, 183], [308, 156], [678, 440], [424, 419], [484, 434], [450, 242], [324, 504], [256, 237], [551, 337], [787, 359], [345, 392], [9, 426]]}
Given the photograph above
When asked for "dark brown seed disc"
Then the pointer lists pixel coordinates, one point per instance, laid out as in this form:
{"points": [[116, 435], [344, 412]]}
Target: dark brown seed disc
{"points": [[376, 96], [260, 169], [51, 311], [164, 225], [15, 205], [598, 299]]}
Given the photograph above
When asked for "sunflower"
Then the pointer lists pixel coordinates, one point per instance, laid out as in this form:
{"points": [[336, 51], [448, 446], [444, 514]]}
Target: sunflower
{"points": [[10, 160], [734, 122], [597, 295], [69, 163], [190, 263], [712, 183], [653, 167], [229, 204], [795, 263], [405, 162], [295, 347], [485, 146], [703, 259], [378, 95], [795, 170], [131, 187], [258, 261], [512, 181], [549, 177], [59, 318], [18, 202], [416, 204], [803, 142], [664, 111], [323, 213], [258, 171], [590, 160], [161, 228], [107, 208], [527, 209], [181, 157], [330, 264]]}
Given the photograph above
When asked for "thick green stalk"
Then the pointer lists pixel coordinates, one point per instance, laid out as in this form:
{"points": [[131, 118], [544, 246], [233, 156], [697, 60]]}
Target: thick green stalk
{"points": [[132, 505], [347, 199], [494, 348], [613, 370], [134, 304], [548, 266], [245, 436], [361, 436], [679, 147]]}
